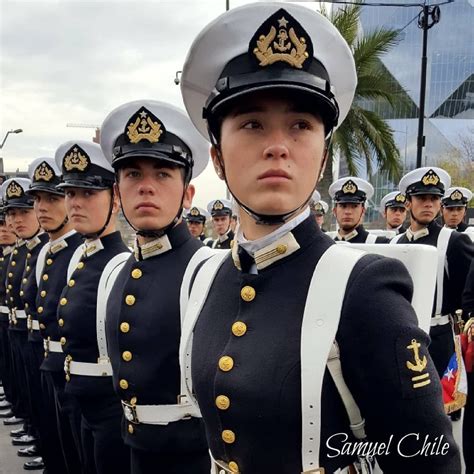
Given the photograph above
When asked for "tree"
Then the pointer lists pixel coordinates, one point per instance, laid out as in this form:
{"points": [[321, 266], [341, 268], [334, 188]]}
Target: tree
{"points": [[364, 136]]}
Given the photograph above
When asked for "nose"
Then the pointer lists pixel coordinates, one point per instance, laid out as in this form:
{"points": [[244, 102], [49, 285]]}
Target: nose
{"points": [[277, 147], [145, 186]]}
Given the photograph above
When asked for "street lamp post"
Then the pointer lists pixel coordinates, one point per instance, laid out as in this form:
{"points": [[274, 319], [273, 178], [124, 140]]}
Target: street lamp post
{"points": [[427, 18], [18, 130]]}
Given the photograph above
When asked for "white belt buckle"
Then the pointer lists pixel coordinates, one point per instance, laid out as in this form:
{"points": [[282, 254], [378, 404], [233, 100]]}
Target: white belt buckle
{"points": [[103, 361], [130, 412]]}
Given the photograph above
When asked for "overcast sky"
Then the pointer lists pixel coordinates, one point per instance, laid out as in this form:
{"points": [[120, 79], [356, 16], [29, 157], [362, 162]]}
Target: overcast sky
{"points": [[74, 61]]}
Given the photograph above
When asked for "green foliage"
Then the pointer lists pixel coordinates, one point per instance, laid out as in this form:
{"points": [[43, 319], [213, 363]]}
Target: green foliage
{"points": [[364, 135]]}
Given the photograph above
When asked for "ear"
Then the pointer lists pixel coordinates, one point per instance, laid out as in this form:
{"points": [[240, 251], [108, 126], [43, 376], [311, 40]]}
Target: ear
{"points": [[334, 210], [188, 196], [215, 162], [323, 164], [116, 201]]}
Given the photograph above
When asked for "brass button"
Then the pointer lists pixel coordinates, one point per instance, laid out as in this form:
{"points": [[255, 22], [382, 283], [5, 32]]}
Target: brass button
{"points": [[61, 322], [239, 328], [8, 291], [130, 300], [45, 277], [43, 293], [228, 436], [9, 287], [71, 283], [13, 263], [63, 301], [133, 401], [42, 326], [233, 466], [127, 356], [15, 252], [247, 293], [281, 249], [80, 265], [137, 273], [62, 341], [22, 292], [24, 280], [123, 384], [49, 261], [222, 402], [28, 268], [124, 327], [40, 309], [130, 429], [27, 305], [10, 275], [226, 363], [28, 255]]}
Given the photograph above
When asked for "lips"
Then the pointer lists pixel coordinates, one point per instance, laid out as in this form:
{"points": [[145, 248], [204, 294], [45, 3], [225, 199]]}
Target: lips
{"points": [[146, 205], [274, 173]]}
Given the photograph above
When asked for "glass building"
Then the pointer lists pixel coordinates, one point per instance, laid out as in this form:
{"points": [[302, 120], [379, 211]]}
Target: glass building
{"points": [[449, 103]]}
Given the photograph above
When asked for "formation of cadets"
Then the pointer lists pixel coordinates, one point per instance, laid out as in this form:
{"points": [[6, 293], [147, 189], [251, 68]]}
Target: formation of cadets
{"points": [[268, 349]]}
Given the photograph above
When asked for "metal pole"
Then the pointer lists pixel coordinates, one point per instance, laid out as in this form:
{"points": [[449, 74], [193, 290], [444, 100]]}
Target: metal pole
{"points": [[423, 23]]}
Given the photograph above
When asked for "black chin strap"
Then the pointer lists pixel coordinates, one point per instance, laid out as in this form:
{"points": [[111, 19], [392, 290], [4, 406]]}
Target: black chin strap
{"points": [[34, 235], [60, 227], [263, 219], [157, 233], [96, 235]]}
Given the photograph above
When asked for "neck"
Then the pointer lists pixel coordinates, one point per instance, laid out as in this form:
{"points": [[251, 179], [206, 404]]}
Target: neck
{"points": [[346, 231], [416, 226], [56, 235], [253, 231], [145, 239]]}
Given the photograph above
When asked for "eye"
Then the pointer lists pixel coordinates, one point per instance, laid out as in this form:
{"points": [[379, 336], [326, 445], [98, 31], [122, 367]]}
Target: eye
{"points": [[302, 125], [163, 174], [132, 174], [69, 194], [252, 125]]}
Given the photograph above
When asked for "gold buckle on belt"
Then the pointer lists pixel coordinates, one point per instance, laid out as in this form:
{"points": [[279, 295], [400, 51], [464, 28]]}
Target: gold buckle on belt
{"points": [[13, 316], [130, 412], [67, 367], [46, 346]]}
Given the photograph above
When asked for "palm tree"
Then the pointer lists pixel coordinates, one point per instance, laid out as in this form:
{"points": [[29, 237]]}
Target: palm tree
{"points": [[364, 135]]}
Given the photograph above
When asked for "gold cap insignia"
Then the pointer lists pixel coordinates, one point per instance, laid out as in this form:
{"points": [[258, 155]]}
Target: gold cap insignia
{"points": [[456, 195], [400, 198], [350, 187], [430, 178], [43, 172], [218, 206], [76, 159], [14, 190], [281, 39], [143, 125], [194, 212]]}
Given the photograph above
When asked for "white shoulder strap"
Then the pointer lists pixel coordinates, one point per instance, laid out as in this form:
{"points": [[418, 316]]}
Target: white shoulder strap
{"points": [[442, 246], [106, 282], [197, 298], [395, 239], [320, 322], [371, 239], [76, 257], [202, 254], [40, 263]]}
